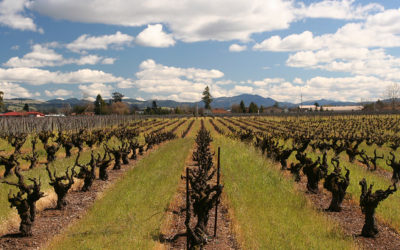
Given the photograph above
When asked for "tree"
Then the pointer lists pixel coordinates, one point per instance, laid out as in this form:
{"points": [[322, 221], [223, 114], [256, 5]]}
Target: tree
{"points": [[207, 98], [316, 104], [26, 107], [99, 105], [120, 108], [261, 109], [276, 105], [154, 105], [2, 107], [235, 108], [117, 97], [66, 109], [393, 93], [253, 108], [242, 106]]}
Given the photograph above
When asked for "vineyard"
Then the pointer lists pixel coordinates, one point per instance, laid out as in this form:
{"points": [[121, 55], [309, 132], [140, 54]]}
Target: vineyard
{"points": [[250, 182]]}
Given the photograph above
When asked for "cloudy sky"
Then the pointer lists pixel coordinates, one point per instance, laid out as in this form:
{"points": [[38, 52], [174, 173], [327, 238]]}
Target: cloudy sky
{"points": [[156, 49]]}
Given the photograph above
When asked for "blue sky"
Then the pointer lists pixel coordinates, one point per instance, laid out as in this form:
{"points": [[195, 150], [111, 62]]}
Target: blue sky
{"points": [[334, 49]]}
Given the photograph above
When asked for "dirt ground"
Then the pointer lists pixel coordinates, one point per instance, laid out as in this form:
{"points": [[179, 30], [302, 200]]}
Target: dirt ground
{"points": [[175, 222], [51, 222], [351, 220]]}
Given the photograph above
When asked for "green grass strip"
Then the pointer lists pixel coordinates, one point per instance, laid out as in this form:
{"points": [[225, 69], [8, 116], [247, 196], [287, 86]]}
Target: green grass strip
{"points": [[270, 213], [129, 214]]}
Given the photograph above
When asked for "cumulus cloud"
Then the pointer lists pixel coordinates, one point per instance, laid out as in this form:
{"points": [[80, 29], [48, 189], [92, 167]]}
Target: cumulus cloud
{"points": [[359, 61], [356, 48], [108, 60], [237, 48], [34, 76], [87, 42], [58, 93], [13, 90], [298, 80], [268, 81], [154, 36], [337, 9], [39, 57], [189, 21], [197, 20], [12, 14], [352, 88], [95, 89], [378, 30], [165, 82], [303, 41], [45, 56]]}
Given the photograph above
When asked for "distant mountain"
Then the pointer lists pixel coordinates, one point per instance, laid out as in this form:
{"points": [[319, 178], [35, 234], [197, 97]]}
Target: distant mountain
{"points": [[227, 102], [219, 102], [324, 102], [70, 101], [160, 103]]}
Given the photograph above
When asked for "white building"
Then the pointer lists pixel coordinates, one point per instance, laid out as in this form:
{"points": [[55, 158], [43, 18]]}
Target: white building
{"points": [[332, 108]]}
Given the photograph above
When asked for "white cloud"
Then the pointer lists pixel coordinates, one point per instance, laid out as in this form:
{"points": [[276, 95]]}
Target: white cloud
{"points": [[189, 21], [13, 90], [45, 56], [303, 41], [352, 88], [164, 81], [154, 36], [268, 81], [35, 76], [58, 93], [237, 48], [358, 61], [356, 48], [298, 80], [197, 20], [39, 57], [338, 9], [94, 89], [108, 60], [379, 30], [89, 59], [12, 15], [87, 42]]}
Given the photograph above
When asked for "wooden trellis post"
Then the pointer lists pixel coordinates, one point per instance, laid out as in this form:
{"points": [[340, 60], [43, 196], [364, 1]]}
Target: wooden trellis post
{"points": [[218, 179]]}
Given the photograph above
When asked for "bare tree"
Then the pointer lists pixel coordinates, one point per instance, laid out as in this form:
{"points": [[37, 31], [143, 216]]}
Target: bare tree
{"points": [[392, 93]]}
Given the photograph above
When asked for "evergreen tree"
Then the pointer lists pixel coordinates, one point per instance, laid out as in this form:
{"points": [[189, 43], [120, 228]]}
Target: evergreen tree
{"points": [[26, 107], [154, 105], [242, 107], [261, 109], [207, 98], [99, 105], [117, 97], [2, 107], [253, 108]]}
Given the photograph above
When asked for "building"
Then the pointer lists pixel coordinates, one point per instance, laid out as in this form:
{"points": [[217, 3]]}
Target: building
{"points": [[331, 108], [22, 114], [219, 111], [343, 108]]}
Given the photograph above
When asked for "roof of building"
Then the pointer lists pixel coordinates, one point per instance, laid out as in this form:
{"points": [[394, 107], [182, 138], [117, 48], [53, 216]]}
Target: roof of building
{"points": [[14, 114], [220, 111]]}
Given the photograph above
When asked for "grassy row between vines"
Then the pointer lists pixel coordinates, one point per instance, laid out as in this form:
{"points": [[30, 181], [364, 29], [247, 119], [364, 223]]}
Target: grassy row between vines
{"points": [[130, 213], [388, 209], [60, 165], [268, 210]]}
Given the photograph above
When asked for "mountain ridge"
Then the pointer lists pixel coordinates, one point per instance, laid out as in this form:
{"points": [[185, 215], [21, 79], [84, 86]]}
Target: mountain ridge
{"points": [[218, 102]]}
